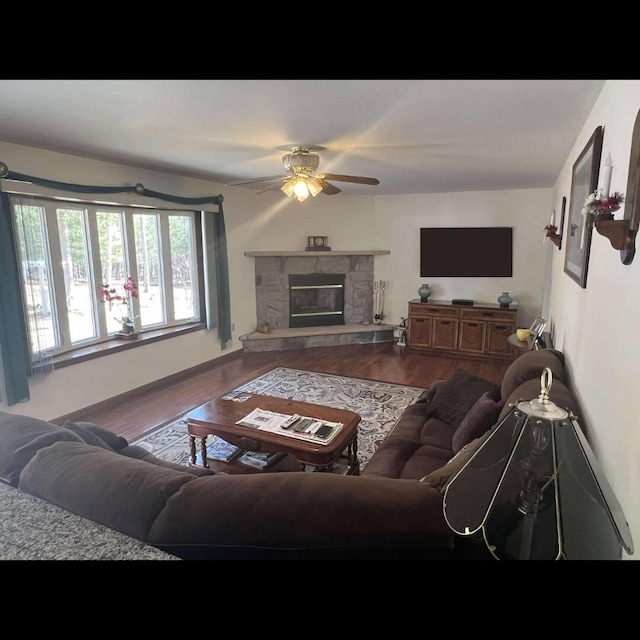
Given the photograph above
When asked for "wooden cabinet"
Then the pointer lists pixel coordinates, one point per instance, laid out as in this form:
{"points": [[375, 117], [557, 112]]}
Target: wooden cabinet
{"points": [[481, 330]]}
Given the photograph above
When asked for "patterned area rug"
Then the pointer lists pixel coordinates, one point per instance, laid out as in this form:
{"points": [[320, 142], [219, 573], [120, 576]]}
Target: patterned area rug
{"points": [[379, 404]]}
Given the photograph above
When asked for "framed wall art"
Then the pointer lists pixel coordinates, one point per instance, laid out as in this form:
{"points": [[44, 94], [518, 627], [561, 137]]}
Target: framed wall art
{"points": [[584, 181]]}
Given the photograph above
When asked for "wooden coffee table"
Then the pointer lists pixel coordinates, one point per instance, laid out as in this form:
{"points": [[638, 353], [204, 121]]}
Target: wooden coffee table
{"points": [[218, 417]]}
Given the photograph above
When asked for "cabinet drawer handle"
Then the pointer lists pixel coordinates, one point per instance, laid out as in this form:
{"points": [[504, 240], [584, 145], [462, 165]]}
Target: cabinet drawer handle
{"points": [[419, 320], [473, 324], [488, 314], [500, 327], [446, 322]]}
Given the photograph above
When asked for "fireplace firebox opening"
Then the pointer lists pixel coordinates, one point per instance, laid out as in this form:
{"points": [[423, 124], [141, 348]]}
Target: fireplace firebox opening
{"points": [[316, 299]]}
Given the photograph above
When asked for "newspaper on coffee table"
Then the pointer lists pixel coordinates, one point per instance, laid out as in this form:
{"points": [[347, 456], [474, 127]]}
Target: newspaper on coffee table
{"points": [[292, 426]]}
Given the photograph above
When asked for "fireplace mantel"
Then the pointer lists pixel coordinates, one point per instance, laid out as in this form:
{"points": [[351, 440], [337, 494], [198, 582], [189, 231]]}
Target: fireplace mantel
{"points": [[317, 254]]}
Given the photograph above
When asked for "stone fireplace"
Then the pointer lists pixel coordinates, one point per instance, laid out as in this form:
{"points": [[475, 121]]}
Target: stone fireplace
{"points": [[273, 296], [314, 299]]}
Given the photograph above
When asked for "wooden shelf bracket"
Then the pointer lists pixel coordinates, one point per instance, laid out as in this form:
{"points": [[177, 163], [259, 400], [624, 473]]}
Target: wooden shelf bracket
{"points": [[622, 233]]}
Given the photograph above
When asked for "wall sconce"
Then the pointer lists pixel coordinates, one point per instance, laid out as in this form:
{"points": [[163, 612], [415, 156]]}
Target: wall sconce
{"points": [[552, 230], [622, 233], [534, 491]]}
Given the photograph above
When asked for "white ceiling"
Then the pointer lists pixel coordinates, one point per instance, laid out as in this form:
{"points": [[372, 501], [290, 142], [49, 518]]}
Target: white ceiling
{"points": [[415, 136]]}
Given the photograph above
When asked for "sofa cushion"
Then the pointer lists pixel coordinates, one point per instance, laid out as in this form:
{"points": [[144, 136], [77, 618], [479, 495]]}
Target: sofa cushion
{"points": [[427, 395], [140, 453], [417, 444], [454, 398], [116, 491], [298, 510], [530, 365], [480, 418], [20, 439], [96, 436], [439, 478]]}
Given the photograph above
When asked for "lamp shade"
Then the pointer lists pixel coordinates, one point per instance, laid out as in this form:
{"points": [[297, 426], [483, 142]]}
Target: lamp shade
{"points": [[534, 490], [300, 187]]}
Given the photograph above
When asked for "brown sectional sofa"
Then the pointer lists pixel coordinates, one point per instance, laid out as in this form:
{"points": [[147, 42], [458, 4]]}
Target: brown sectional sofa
{"points": [[393, 510]]}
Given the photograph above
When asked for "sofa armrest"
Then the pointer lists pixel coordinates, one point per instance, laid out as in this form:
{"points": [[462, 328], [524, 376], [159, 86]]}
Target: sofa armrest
{"points": [[118, 492]]}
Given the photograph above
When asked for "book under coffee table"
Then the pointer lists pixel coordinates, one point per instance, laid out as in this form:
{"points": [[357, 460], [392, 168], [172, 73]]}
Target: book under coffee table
{"points": [[219, 416]]}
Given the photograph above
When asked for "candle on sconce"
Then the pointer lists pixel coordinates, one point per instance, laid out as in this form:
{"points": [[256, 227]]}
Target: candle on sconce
{"points": [[606, 178], [553, 217]]}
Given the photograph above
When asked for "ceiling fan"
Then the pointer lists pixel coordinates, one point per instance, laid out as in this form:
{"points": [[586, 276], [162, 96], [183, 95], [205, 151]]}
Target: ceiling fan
{"points": [[302, 180]]}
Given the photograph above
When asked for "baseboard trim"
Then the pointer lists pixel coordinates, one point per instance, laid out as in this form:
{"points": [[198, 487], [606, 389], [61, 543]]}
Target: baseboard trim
{"points": [[151, 386]]}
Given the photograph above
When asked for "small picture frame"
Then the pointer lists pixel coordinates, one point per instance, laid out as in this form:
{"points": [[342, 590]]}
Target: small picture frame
{"points": [[317, 243], [537, 328]]}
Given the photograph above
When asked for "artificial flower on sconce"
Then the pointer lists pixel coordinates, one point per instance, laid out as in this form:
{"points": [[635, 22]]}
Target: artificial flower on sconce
{"points": [[603, 208], [552, 234]]}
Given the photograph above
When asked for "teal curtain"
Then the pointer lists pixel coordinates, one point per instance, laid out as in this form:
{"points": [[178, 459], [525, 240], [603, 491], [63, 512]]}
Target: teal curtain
{"points": [[14, 343], [216, 275]]}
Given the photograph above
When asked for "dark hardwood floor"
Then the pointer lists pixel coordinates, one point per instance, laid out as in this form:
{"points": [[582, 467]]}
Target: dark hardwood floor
{"points": [[385, 362]]}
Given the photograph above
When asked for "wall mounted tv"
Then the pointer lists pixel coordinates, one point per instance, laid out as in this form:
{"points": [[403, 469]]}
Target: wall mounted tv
{"points": [[470, 252]]}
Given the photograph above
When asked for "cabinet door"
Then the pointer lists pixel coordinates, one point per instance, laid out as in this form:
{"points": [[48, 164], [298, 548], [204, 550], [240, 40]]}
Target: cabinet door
{"points": [[472, 336], [419, 334], [445, 333], [497, 337]]}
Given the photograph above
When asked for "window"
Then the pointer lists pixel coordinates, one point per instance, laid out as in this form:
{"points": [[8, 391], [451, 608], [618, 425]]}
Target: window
{"points": [[68, 249]]}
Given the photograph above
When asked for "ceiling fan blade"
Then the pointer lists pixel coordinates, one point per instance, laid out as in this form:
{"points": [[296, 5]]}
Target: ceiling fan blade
{"points": [[339, 178], [239, 182], [327, 188], [271, 187]]}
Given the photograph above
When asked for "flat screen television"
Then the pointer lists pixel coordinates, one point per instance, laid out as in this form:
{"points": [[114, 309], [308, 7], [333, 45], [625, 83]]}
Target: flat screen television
{"points": [[469, 252]]}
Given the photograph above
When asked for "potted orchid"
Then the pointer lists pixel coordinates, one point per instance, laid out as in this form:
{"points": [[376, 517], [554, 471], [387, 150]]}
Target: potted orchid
{"points": [[110, 296]]}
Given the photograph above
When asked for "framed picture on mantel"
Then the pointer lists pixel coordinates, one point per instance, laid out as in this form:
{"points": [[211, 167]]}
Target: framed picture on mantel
{"points": [[584, 181]]}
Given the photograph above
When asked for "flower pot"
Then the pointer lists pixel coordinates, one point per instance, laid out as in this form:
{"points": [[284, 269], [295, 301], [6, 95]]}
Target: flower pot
{"points": [[127, 328]]}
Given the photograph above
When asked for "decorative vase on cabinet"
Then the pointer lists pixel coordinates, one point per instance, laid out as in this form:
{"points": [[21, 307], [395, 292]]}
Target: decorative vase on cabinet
{"points": [[424, 292], [505, 300]]}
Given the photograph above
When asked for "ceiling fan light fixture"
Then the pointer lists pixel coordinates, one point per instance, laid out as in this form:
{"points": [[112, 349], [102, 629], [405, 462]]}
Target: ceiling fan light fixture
{"points": [[287, 188], [314, 186], [301, 158], [301, 187], [302, 180]]}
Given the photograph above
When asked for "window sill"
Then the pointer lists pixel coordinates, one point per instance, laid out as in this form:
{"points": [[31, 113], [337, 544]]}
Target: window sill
{"points": [[122, 344]]}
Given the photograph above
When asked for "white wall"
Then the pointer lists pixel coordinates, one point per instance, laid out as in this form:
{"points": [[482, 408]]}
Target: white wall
{"points": [[597, 327], [399, 219], [272, 222]]}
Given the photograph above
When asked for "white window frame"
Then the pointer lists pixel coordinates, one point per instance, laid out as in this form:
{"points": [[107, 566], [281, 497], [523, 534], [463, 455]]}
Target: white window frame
{"points": [[50, 203]]}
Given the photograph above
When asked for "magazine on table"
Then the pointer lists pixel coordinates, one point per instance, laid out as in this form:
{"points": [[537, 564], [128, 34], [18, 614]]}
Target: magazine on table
{"points": [[222, 450], [260, 460], [237, 396], [292, 426]]}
